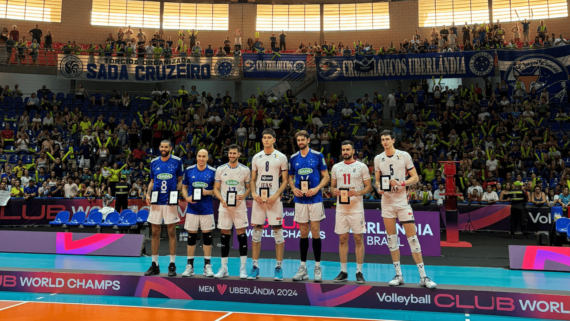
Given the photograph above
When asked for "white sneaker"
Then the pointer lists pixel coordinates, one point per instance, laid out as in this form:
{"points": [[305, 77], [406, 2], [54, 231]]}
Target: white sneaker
{"points": [[242, 273], [397, 280], [301, 275], [427, 283], [208, 271], [318, 274], [189, 271], [222, 273]]}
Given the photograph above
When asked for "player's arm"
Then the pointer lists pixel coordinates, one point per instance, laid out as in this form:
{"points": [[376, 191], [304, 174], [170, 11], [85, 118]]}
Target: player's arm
{"points": [[185, 194], [246, 193], [334, 190], [377, 178], [282, 187], [325, 179], [295, 190], [218, 193], [148, 191], [252, 186], [367, 189]]}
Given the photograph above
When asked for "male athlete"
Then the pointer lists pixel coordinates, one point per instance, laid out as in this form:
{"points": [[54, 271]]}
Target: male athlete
{"points": [[395, 163], [199, 214], [267, 167], [354, 176], [307, 166], [232, 178], [165, 176]]}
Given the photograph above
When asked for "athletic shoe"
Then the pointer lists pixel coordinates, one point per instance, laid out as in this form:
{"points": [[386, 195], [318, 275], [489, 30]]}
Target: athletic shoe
{"points": [[301, 274], [208, 270], [254, 273], [189, 271], [397, 280], [342, 277], [242, 273], [427, 283], [172, 269], [222, 273], [278, 274], [318, 274], [360, 278], [153, 270]]}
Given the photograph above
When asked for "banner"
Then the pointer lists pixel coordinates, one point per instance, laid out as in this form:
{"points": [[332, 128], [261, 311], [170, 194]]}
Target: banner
{"points": [[375, 241], [4, 197], [270, 66], [414, 66], [539, 258], [129, 69], [536, 69]]}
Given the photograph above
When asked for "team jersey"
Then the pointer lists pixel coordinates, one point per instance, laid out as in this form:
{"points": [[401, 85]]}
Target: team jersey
{"points": [[351, 176], [195, 178], [233, 179], [308, 168], [268, 168], [396, 167], [165, 176]]}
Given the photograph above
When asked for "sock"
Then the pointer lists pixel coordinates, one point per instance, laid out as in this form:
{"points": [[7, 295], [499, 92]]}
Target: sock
{"points": [[225, 245], [343, 267], [422, 270], [317, 264], [155, 259], [207, 260], [242, 239], [225, 262], [303, 264], [304, 246], [279, 264], [242, 260], [255, 263], [317, 249], [398, 268], [172, 258], [358, 267], [191, 261]]}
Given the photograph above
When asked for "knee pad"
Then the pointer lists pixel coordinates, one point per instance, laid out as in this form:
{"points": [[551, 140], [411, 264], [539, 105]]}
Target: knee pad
{"points": [[393, 242], [278, 235], [192, 239], [207, 238], [256, 235], [414, 244]]}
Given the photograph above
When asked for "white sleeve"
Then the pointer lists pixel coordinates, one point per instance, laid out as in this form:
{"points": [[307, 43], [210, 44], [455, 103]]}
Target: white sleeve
{"points": [[333, 172], [247, 176], [377, 164], [409, 162], [218, 177], [254, 165], [284, 163], [365, 172]]}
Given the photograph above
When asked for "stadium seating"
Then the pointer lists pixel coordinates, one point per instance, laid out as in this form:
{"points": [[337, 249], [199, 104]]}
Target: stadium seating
{"points": [[60, 219], [94, 219], [142, 216], [77, 219], [112, 219]]}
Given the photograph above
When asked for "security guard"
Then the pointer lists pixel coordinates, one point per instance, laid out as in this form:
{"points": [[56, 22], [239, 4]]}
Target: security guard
{"points": [[518, 199], [122, 195]]}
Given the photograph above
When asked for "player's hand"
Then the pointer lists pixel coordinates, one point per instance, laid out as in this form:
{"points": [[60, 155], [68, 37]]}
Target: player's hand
{"points": [[298, 192], [311, 192], [394, 183], [240, 197], [189, 200], [224, 204], [336, 192], [256, 198], [272, 199], [148, 201], [351, 193], [207, 192]]}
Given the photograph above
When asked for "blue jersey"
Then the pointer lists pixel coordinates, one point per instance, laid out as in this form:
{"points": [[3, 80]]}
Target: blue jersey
{"points": [[308, 168], [195, 178], [421, 95], [165, 176]]}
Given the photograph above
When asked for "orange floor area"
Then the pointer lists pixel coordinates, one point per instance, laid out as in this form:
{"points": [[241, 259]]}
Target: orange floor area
{"points": [[16, 311]]}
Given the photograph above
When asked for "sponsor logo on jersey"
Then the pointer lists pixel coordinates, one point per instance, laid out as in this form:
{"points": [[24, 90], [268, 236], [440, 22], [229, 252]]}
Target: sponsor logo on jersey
{"points": [[164, 176], [200, 185], [232, 182], [383, 159], [267, 178], [305, 171]]}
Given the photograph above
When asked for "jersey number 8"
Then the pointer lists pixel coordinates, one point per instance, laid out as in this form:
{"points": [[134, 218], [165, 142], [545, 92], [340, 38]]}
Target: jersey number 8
{"points": [[267, 166], [163, 186]]}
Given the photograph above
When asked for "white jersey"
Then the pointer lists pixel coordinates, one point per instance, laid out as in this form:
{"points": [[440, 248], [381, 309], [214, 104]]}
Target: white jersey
{"points": [[350, 176], [233, 179], [396, 167], [269, 169]]}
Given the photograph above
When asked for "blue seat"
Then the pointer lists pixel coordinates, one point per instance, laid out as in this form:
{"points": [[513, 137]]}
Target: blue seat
{"points": [[112, 219], [77, 219], [13, 159], [60, 219], [124, 213], [129, 219], [94, 219], [561, 225], [9, 149], [142, 216], [27, 159]]}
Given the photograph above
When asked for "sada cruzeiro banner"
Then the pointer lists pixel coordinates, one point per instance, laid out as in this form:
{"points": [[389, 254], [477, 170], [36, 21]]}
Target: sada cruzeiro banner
{"points": [[537, 69], [121, 69], [273, 66], [412, 66]]}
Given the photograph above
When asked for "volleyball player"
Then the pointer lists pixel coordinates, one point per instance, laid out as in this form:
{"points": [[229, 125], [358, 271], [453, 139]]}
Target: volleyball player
{"points": [[354, 176], [232, 178], [166, 174], [395, 163], [267, 167], [308, 167], [199, 213]]}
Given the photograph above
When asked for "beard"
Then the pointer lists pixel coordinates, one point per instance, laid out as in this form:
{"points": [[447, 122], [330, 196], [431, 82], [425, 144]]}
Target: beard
{"points": [[164, 153], [303, 146], [347, 157]]}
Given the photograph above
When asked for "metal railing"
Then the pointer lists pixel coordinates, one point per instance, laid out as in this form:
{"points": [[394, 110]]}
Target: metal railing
{"points": [[295, 81]]}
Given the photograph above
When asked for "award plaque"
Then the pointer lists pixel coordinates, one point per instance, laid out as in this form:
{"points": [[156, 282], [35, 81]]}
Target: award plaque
{"points": [[304, 186], [173, 199], [197, 195], [343, 198], [385, 183], [264, 193], [231, 199], [154, 197]]}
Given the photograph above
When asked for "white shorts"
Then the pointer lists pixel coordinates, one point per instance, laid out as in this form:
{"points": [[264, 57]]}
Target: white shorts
{"points": [[410, 106], [195, 222], [347, 221], [273, 213], [158, 213], [85, 162], [309, 212], [403, 213], [226, 220]]}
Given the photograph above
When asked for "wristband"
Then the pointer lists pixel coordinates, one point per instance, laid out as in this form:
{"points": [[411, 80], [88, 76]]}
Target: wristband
{"points": [[403, 183]]}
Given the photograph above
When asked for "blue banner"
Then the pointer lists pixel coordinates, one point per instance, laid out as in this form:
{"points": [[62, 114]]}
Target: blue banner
{"points": [[536, 69], [273, 66], [390, 67]]}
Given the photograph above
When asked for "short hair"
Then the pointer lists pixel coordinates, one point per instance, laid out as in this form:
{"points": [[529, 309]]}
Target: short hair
{"points": [[167, 142], [388, 132], [347, 142], [269, 131], [235, 146], [203, 149], [303, 133]]}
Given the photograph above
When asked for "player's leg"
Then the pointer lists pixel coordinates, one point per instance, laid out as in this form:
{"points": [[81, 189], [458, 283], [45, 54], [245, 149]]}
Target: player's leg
{"points": [[258, 215], [191, 226], [302, 218], [240, 222], [358, 226], [392, 238], [317, 249], [343, 254], [225, 223], [415, 248], [275, 219], [155, 243], [207, 225], [171, 228]]}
